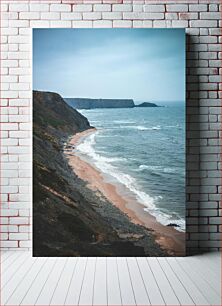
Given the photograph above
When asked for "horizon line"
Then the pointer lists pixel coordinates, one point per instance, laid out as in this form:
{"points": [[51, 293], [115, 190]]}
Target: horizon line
{"points": [[134, 100]]}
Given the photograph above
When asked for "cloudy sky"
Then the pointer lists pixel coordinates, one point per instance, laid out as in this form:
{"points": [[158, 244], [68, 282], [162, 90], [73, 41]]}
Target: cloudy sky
{"points": [[142, 64]]}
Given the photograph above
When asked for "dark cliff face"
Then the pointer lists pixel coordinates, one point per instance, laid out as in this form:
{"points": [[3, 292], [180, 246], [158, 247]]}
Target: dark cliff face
{"points": [[65, 219], [84, 103], [51, 112]]}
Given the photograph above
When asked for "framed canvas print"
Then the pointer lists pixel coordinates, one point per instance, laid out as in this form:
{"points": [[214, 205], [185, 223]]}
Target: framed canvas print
{"points": [[108, 142]]}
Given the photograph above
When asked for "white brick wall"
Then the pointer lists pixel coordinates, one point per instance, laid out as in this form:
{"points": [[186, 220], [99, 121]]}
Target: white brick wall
{"points": [[204, 91]]}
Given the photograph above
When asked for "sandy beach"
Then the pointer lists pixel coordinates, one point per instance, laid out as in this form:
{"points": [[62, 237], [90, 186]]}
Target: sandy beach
{"points": [[167, 237]]}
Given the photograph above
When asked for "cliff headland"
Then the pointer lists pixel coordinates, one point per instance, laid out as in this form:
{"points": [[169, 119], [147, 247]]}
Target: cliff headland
{"points": [[87, 103]]}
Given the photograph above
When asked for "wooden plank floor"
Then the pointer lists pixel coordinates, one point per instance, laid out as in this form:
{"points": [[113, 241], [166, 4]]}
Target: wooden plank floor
{"points": [[110, 281]]}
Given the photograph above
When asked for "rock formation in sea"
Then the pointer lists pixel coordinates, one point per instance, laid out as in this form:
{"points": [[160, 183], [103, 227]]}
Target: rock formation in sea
{"points": [[147, 104], [69, 219]]}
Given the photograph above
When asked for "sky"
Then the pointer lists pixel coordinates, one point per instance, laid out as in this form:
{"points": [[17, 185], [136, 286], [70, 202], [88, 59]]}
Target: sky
{"points": [[140, 64]]}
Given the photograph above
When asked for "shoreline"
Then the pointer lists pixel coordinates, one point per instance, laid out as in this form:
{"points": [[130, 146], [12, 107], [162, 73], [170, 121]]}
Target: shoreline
{"points": [[167, 237]]}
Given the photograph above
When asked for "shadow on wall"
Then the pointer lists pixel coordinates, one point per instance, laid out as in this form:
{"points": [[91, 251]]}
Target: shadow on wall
{"points": [[193, 171]]}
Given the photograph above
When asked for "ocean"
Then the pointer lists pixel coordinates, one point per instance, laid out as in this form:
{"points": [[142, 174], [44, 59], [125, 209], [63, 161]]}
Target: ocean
{"points": [[143, 149]]}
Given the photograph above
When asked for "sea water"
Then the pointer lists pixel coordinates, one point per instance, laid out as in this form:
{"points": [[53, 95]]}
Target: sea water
{"points": [[143, 149]]}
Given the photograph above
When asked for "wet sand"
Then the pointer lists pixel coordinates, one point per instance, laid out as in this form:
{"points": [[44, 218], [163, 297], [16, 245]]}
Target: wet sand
{"points": [[167, 237]]}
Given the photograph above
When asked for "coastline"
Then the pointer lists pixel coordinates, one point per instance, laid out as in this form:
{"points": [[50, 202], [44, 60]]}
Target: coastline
{"points": [[168, 238]]}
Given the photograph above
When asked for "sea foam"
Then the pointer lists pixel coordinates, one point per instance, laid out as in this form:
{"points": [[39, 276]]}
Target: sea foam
{"points": [[157, 169], [141, 128], [104, 164], [153, 128]]}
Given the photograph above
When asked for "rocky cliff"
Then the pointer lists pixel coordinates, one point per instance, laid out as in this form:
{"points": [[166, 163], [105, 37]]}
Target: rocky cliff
{"points": [[68, 218], [85, 103], [52, 113]]}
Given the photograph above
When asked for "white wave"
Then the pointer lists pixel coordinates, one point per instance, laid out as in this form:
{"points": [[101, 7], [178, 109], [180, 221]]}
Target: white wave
{"points": [[173, 126], [156, 127], [166, 219], [159, 197], [106, 136], [103, 135], [178, 127], [169, 170], [139, 127], [152, 168], [95, 121], [153, 128], [86, 148], [105, 165], [157, 169]]}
